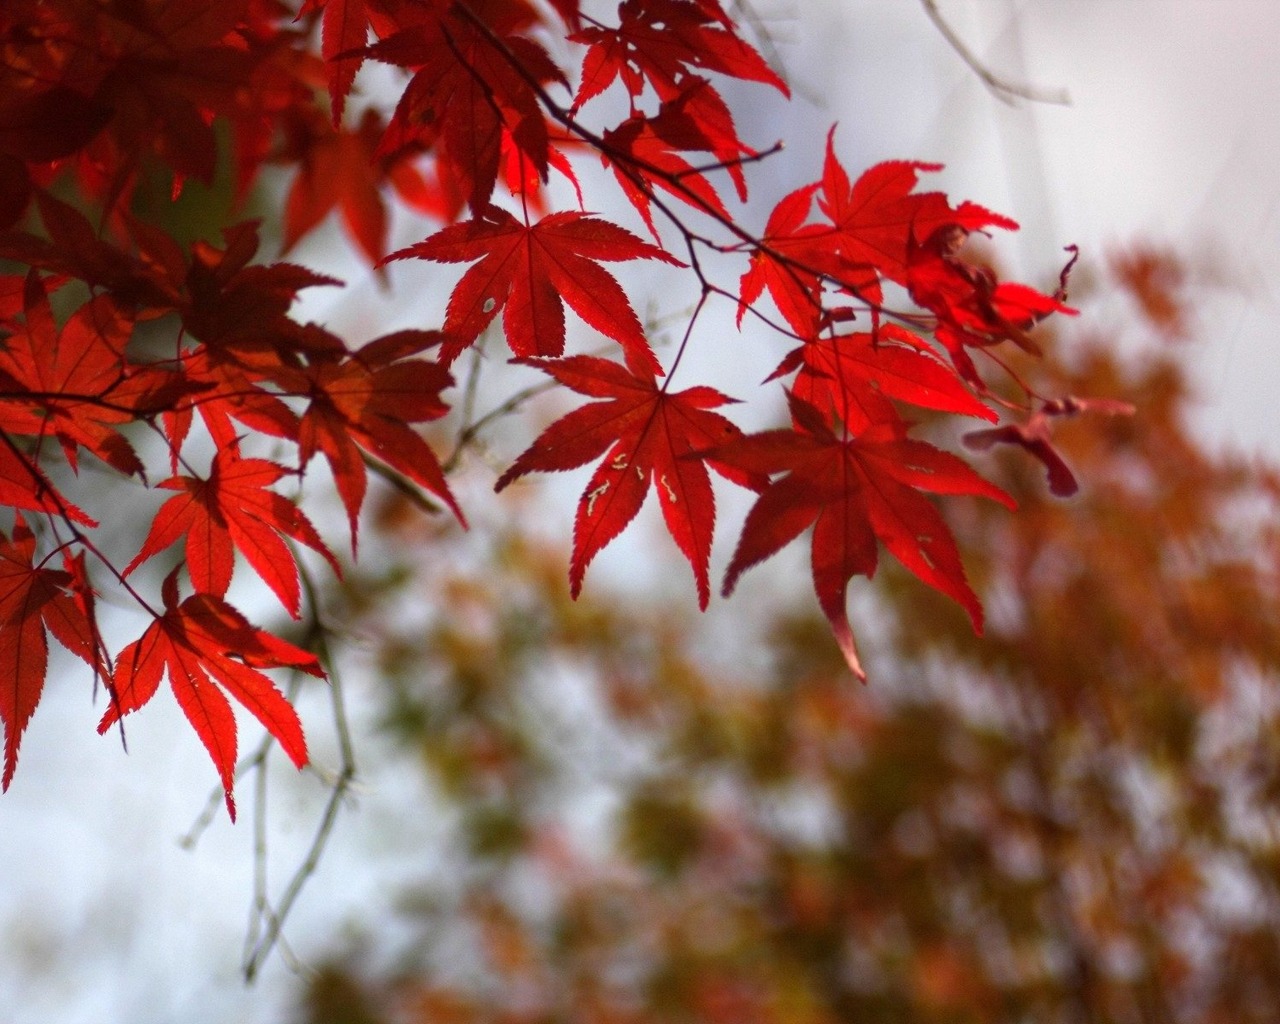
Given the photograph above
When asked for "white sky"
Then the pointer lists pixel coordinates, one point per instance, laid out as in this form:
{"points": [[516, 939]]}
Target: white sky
{"points": [[1172, 135]]}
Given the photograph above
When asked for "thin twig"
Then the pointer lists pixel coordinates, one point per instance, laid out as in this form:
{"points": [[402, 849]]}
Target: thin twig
{"points": [[1003, 89], [274, 919]]}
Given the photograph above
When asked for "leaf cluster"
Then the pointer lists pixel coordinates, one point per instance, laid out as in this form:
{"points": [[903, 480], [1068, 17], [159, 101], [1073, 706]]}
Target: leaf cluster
{"points": [[863, 280]]}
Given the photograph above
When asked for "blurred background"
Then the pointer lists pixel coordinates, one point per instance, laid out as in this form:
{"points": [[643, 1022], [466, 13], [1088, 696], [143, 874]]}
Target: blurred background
{"points": [[615, 810]]}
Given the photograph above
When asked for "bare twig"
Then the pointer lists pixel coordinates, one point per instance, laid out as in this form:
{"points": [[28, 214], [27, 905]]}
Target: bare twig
{"points": [[1003, 89], [260, 944]]}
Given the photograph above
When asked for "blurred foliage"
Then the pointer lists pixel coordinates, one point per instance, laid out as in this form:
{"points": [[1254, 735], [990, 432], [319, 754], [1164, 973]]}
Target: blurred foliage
{"points": [[1071, 819]]}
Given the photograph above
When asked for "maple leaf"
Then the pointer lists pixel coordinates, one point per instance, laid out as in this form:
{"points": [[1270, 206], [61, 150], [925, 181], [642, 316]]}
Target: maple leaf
{"points": [[337, 168], [23, 484], [73, 248], [878, 217], [76, 381], [852, 377], [33, 600], [344, 29], [649, 438], [240, 309], [169, 69], [467, 92], [1036, 436], [233, 509], [780, 264], [529, 272], [649, 148], [972, 307], [366, 400], [853, 491], [658, 42], [205, 646]]}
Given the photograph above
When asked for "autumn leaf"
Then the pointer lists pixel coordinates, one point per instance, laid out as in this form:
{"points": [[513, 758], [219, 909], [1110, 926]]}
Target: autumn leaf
{"points": [[75, 382], [658, 42], [854, 377], [878, 217], [205, 646], [366, 400], [853, 491], [649, 438], [781, 264], [471, 87], [233, 509], [344, 28], [34, 600], [650, 151], [337, 169], [529, 272]]}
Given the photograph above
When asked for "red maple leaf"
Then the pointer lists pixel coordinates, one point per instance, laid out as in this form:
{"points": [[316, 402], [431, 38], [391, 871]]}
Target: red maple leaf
{"points": [[852, 377], [337, 168], [73, 248], [659, 42], [649, 438], [530, 272], [32, 599], [471, 86], [344, 29], [853, 491], [23, 484], [647, 151], [239, 308], [233, 508], [367, 399], [782, 266], [205, 646], [878, 217], [972, 306], [75, 382]]}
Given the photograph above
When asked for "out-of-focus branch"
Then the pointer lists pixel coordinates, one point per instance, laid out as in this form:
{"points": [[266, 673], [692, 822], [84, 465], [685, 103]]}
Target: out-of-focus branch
{"points": [[1002, 88]]}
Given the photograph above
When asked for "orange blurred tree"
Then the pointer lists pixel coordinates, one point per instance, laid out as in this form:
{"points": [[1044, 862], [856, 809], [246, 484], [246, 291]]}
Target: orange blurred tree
{"points": [[1070, 820]]}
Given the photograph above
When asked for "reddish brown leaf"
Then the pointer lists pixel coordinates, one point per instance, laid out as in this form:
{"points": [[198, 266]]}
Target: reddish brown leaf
{"points": [[1036, 436]]}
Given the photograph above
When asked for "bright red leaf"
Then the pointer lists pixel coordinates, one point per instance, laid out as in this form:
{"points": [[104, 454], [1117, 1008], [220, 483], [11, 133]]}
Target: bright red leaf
{"points": [[853, 377], [530, 272], [471, 87], [33, 599], [877, 218], [649, 438], [232, 509], [659, 42], [205, 647], [75, 382], [344, 29], [366, 401], [853, 491]]}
